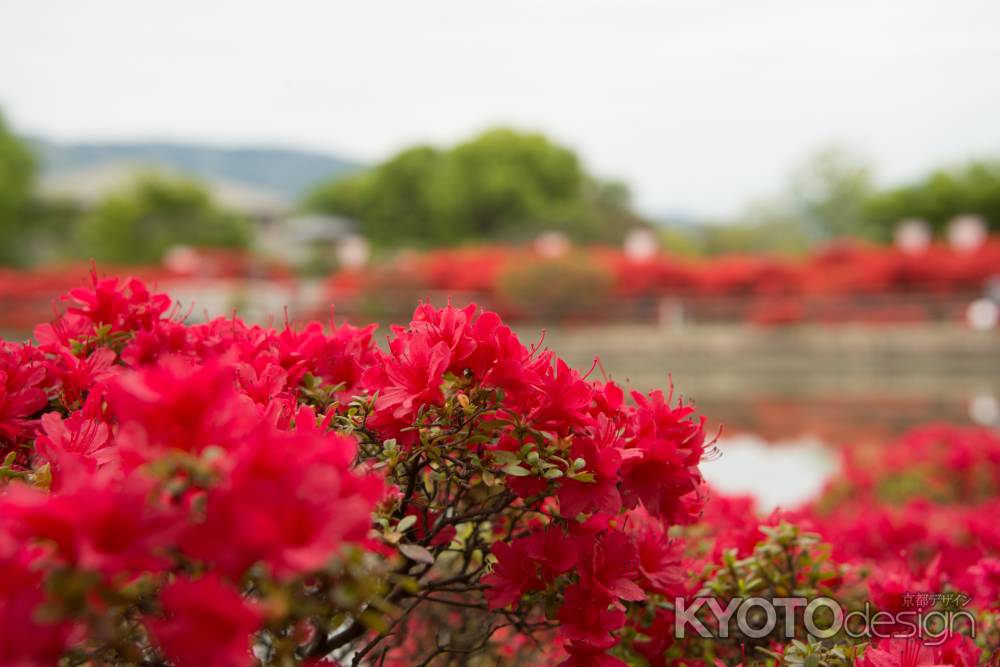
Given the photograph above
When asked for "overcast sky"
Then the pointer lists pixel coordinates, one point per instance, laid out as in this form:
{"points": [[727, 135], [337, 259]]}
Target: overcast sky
{"points": [[698, 105]]}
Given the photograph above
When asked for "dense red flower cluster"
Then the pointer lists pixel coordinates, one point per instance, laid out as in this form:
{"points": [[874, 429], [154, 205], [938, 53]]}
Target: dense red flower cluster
{"points": [[226, 494], [908, 523], [146, 455], [920, 511], [198, 489]]}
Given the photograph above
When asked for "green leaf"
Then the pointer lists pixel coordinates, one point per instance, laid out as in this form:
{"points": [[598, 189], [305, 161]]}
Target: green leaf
{"points": [[503, 457], [417, 553], [516, 471], [406, 523]]}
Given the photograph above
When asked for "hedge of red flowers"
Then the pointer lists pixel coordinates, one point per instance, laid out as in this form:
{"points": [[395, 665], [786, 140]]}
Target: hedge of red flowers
{"points": [[841, 268], [224, 494], [845, 281]]}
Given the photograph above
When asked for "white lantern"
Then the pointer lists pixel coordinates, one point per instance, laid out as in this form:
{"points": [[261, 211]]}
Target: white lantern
{"points": [[552, 245], [966, 233], [641, 245], [353, 252], [913, 236]]}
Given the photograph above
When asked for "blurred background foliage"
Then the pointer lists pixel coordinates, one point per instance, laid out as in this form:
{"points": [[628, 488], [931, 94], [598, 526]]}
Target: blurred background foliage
{"points": [[973, 187], [17, 172], [503, 186], [139, 225]]}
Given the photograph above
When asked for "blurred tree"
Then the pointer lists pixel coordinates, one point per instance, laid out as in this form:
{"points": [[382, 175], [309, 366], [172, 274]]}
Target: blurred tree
{"points": [[141, 223], [502, 184], [761, 231], [17, 174], [972, 188], [824, 199], [397, 200], [828, 191]]}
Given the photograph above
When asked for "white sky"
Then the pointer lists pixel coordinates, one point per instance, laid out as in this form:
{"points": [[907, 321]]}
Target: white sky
{"points": [[698, 105]]}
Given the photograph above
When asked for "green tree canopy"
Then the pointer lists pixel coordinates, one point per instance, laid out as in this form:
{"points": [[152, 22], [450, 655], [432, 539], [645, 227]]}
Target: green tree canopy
{"points": [[140, 224], [972, 188], [17, 174], [502, 184]]}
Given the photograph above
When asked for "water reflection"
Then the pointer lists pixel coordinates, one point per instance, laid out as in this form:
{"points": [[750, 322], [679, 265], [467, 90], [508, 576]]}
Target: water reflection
{"points": [[779, 474], [836, 385], [785, 400]]}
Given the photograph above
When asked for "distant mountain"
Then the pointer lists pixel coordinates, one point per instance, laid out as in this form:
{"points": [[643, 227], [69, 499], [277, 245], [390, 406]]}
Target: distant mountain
{"points": [[284, 172]]}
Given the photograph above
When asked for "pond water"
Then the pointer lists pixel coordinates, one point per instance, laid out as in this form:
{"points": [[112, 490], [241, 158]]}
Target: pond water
{"points": [[779, 474], [783, 401]]}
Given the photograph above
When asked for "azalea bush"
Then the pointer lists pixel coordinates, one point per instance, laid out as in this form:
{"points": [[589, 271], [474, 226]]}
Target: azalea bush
{"points": [[906, 527], [220, 493], [846, 281], [225, 494]]}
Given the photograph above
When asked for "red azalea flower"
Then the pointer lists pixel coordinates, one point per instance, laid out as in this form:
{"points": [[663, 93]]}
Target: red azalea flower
{"points": [[911, 652], [207, 624], [179, 405], [262, 384], [985, 576], [102, 524], [585, 617], [410, 377], [553, 551], [661, 636], [513, 574], [77, 377], [21, 392], [75, 442], [603, 461], [564, 399], [582, 655], [123, 307], [660, 567], [612, 567], [288, 500], [26, 640], [663, 470]]}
